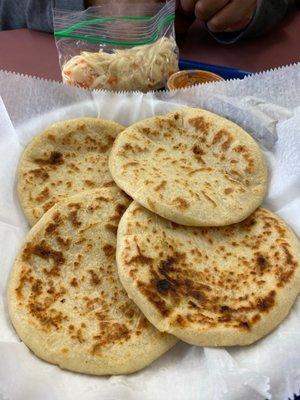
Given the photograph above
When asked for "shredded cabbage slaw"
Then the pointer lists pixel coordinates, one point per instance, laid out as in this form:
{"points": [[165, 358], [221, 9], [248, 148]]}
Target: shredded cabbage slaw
{"points": [[143, 68]]}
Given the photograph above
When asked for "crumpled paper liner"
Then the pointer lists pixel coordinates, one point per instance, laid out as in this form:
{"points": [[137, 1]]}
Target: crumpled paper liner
{"points": [[266, 105]]}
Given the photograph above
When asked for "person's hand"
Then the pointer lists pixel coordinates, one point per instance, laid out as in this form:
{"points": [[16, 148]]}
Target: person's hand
{"points": [[221, 15], [183, 21]]}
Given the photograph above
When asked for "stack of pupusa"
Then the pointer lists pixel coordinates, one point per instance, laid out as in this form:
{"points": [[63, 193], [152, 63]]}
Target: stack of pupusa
{"points": [[207, 285], [229, 273]]}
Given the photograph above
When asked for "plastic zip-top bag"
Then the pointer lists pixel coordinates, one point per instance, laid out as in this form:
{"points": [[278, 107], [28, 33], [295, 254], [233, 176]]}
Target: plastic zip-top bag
{"points": [[117, 46]]}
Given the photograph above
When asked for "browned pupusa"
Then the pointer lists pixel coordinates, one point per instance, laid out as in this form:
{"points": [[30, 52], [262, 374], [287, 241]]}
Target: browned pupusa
{"points": [[68, 157], [191, 167], [65, 299], [221, 286]]}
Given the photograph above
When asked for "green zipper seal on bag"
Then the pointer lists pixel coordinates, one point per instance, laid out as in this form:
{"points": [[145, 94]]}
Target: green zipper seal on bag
{"points": [[69, 32]]}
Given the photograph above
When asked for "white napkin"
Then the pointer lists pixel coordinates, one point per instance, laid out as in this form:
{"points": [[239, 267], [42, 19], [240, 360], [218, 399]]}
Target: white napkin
{"points": [[266, 104]]}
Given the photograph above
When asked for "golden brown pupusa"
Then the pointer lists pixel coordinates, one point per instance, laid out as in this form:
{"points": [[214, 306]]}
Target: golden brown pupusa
{"points": [[218, 286], [191, 167], [68, 157], [65, 298]]}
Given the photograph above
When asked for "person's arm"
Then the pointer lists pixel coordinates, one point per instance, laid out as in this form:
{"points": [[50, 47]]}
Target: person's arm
{"points": [[268, 13], [33, 14]]}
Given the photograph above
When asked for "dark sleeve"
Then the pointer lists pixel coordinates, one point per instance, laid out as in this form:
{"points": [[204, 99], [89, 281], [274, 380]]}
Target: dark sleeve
{"points": [[33, 14], [268, 13]]}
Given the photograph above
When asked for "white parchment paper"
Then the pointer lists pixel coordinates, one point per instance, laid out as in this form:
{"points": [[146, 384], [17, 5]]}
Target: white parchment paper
{"points": [[268, 106]]}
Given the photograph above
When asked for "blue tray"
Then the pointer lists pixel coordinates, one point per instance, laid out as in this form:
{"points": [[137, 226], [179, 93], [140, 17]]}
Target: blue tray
{"points": [[225, 72]]}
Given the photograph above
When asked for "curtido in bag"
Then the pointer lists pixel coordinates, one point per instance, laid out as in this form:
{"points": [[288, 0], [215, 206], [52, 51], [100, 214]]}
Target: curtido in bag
{"points": [[117, 46]]}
